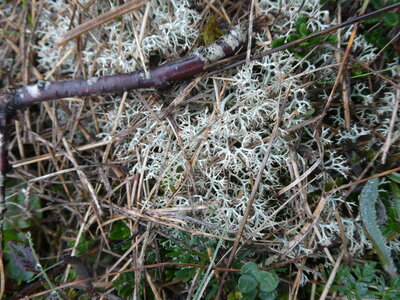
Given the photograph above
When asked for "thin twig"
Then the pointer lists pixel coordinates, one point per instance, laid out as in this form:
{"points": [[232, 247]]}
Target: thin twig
{"points": [[250, 34], [332, 277], [181, 69], [99, 20]]}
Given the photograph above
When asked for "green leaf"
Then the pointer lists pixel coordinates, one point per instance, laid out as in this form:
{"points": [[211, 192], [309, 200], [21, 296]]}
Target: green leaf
{"points": [[357, 271], [173, 254], [361, 289], [125, 291], [373, 20], [292, 37], [234, 295], [391, 19], [301, 21], [190, 274], [392, 225], [250, 268], [250, 295], [268, 281], [395, 282], [395, 176], [309, 113], [396, 197], [373, 36], [306, 44], [247, 284], [124, 284], [213, 291], [186, 274], [368, 198], [332, 39], [303, 31], [377, 4], [14, 209], [83, 245], [278, 42], [119, 231], [267, 295]]}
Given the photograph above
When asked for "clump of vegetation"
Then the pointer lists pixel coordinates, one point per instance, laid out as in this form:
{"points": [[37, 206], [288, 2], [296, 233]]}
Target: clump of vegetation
{"points": [[195, 189], [365, 282], [255, 284]]}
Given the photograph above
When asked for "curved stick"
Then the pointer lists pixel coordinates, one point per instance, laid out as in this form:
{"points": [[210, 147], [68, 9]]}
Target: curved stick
{"points": [[183, 68]]}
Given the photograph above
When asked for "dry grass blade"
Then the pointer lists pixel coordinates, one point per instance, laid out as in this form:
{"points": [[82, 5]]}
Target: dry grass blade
{"points": [[59, 154], [2, 276], [306, 228], [389, 139], [332, 277], [99, 20], [153, 286], [355, 183]]}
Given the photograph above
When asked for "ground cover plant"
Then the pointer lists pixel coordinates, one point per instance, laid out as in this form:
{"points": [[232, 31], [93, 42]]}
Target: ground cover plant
{"points": [[266, 176]]}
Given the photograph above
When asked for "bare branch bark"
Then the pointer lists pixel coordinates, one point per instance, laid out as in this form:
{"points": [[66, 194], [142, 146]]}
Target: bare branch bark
{"points": [[184, 68]]}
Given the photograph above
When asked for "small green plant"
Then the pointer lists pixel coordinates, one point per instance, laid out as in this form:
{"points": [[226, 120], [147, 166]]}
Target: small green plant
{"points": [[119, 231], [120, 235], [17, 221], [124, 284], [302, 31], [83, 247], [377, 35], [189, 249], [192, 249], [365, 283], [255, 284]]}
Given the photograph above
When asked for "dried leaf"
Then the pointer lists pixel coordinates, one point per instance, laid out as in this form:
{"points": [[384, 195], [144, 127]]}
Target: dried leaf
{"points": [[23, 256]]}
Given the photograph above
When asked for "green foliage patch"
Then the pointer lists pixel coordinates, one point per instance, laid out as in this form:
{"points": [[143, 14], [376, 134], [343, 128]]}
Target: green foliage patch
{"points": [[365, 283], [302, 31], [255, 284]]}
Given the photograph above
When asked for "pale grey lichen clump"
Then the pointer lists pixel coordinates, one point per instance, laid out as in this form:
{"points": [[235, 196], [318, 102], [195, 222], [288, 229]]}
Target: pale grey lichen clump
{"points": [[224, 140], [176, 30], [55, 22]]}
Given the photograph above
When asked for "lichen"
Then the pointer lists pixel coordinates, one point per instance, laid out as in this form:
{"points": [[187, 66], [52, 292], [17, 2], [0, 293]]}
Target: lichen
{"points": [[224, 139]]}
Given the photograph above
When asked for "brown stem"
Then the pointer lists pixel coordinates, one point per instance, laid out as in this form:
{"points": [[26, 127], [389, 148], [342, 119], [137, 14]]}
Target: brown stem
{"points": [[184, 68], [3, 171]]}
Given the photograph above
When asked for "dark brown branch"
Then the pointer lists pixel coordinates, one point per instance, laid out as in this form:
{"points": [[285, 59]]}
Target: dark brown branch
{"points": [[184, 68]]}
